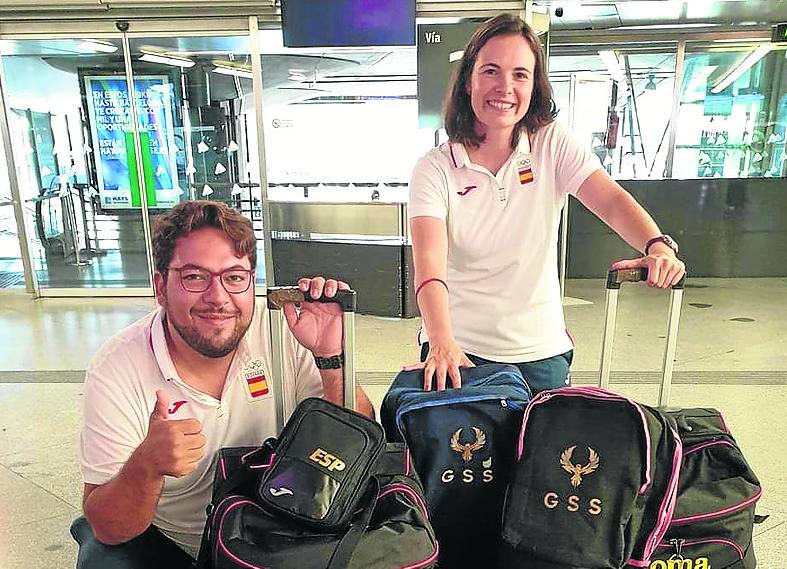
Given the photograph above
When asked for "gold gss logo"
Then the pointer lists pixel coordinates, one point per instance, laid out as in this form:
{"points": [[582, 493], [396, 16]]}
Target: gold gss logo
{"points": [[469, 475], [467, 449], [577, 470], [573, 503]]}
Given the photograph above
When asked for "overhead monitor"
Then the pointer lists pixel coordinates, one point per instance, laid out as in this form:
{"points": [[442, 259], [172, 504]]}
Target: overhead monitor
{"points": [[343, 23]]}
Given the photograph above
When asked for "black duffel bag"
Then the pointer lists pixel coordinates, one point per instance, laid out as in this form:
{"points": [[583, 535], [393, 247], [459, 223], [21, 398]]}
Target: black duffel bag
{"points": [[328, 494], [714, 516]]}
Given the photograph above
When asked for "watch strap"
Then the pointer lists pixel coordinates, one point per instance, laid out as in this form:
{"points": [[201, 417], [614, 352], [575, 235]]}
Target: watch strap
{"points": [[666, 239], [331, 362]]}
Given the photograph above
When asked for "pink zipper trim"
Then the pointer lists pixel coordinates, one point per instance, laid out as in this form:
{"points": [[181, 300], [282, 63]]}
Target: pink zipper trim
{"points": [[720, 513], [271, 458], [390, 489], [223, 470], [407, 461], [689, 542], [668, 505], [405, 489], [267, 464], [591, 393], [220, 541], [699, 447], [724, 423]]}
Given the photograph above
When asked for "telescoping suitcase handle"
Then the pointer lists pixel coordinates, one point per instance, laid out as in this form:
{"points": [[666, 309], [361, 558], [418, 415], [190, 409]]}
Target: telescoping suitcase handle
{"points": [[614, 280], [277, 297]]}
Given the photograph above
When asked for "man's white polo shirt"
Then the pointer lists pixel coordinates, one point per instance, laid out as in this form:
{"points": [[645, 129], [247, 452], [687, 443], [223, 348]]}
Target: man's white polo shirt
{"points": [[120, 394], [504, 298]]}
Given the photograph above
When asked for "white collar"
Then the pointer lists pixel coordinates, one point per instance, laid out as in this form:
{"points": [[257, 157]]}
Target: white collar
{"points": [[460, 159]]}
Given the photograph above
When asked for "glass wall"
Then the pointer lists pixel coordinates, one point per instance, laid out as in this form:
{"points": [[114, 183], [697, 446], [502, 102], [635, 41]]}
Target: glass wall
{"points": [[617, 103], [71, 126], [341, 124], [194, 104], [733, 113], [62, 170], [732, 107]]}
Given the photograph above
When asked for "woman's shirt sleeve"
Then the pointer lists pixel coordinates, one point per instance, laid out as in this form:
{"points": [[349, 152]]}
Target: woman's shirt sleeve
{"points": [[573, 163], [428, 189]]}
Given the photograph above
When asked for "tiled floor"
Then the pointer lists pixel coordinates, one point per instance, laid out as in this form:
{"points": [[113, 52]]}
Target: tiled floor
{"points": [[731, 355]]}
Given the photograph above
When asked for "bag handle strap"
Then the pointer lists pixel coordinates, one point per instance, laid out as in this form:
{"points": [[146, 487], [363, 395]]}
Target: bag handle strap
{"points": [[239, 476], [346, 547]]}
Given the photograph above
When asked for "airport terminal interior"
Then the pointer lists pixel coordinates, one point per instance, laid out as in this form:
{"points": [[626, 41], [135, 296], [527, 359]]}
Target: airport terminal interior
{"points": [[314, 139]]}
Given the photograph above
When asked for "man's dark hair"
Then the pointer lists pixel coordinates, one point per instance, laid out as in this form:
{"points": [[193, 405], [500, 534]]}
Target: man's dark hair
{"points": [[459, 117], [192, 215]]}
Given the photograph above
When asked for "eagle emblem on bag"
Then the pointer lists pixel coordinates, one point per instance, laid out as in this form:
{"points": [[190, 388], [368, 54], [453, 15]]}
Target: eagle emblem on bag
{"points": [[467, 449], [576, 470]]}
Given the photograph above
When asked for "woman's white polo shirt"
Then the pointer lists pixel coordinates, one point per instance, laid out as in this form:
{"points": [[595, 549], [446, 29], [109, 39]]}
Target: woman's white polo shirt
{"points": [[504, 298]]}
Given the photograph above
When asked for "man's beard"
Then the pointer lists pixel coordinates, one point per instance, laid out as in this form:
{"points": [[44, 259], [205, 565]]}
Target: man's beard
{"points": [[208, 346]]}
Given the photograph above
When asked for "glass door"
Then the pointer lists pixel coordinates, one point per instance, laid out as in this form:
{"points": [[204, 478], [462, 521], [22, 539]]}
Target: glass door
{"points": [[84, 231], [11, 270], [195, 107], [90, 178]]}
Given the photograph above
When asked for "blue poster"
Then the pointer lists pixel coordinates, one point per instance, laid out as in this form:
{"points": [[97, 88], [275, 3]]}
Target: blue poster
{"points": [[113, 143]]}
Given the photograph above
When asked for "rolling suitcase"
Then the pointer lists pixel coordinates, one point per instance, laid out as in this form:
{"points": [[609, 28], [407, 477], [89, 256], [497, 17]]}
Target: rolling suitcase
{"points": [[717, 491], [614, 280], [277, 297]]}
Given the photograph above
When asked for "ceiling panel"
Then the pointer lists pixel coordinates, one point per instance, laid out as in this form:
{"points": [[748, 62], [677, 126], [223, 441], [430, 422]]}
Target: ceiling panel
{"points": [[589, 14]]}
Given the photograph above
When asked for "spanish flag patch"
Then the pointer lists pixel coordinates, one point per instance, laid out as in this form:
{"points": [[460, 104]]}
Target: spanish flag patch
{"points": [[525, 175], [258, 385]]}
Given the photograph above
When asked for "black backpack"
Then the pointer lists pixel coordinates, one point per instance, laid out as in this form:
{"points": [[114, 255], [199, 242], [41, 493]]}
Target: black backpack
{"points": [[462, 446], [713, 520], [593, 485], [329, 494]]}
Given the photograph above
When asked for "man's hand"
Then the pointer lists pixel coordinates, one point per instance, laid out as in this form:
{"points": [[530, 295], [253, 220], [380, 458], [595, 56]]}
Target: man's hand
{"points": [[317, 325], [172, 447]]}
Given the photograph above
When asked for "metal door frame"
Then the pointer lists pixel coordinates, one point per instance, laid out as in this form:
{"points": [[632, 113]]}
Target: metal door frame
{"points": [[107, 29]]}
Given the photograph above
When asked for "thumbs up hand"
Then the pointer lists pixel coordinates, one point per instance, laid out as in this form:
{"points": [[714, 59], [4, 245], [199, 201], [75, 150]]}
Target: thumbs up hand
{"points": [[172, 447]]}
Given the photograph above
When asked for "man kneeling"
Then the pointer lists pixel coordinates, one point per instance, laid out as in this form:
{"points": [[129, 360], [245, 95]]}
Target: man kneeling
{"points": [[165, 394]]}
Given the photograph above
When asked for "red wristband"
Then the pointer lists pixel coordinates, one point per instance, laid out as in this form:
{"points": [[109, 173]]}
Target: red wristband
{"points": [[426, 282]]}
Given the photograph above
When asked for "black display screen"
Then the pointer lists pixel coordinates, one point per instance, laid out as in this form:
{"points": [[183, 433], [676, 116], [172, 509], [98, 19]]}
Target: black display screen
{"points": [[338, 23]]}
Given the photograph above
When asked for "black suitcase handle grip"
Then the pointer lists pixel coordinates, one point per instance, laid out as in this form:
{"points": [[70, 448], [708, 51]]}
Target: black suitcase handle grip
{"points": [[278, 296], [615, 278]]}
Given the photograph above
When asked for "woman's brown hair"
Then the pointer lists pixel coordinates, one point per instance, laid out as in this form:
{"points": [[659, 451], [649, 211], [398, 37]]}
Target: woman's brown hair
{"points": [[459, 117], [192, 215]]}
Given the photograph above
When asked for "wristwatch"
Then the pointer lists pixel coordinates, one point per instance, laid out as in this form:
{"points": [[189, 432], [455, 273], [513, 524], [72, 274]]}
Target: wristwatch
{"points": [[666, 239], [332, 362]]}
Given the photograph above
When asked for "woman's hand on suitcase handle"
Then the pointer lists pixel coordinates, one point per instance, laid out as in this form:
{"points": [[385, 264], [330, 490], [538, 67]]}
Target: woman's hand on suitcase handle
{"points": [[664, 268], [317, 325], [443, 361]]}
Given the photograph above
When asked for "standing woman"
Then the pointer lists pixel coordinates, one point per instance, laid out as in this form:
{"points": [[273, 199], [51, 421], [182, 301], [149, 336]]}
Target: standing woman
{"points": [[485, 210]]}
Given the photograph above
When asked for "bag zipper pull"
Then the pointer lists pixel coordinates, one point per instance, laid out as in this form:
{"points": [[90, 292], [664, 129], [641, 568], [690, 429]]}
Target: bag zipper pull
{"points": [[678, 545], [503, 403]]}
